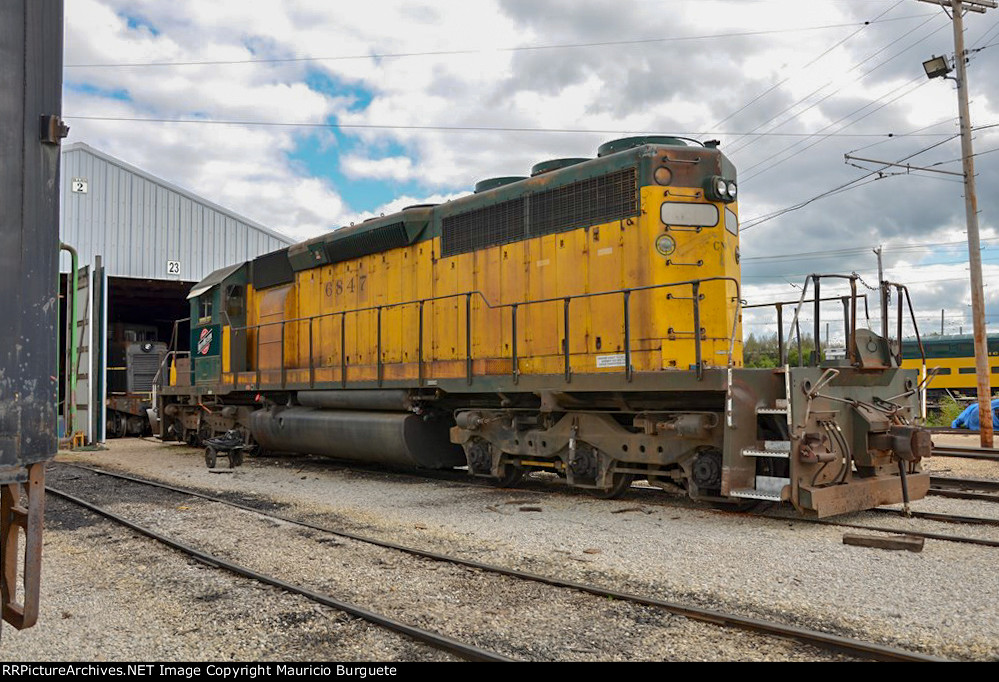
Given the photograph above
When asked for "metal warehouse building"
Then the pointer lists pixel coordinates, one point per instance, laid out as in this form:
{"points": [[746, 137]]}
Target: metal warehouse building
{"points": [[141, 243]]}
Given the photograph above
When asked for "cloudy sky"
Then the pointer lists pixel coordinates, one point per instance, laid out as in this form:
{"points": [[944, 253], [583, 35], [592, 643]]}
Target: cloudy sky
{"points": [[373, 106]]}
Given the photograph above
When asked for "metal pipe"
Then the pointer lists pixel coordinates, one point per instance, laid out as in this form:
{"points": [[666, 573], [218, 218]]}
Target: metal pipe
{"points": [[468, 338], [283, 363], [379, 348], [853, 322], [780, 332], [817, 353], [797, 330], [312, 364], [627, 334], [513, 343], [419, 350], [696, 294], [899, 337], [565, 340], [905, 488], [343, 348], [71, 369]]}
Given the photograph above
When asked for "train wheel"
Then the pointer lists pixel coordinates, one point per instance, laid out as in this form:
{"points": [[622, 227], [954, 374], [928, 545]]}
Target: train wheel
{"points": [[204, 432], [211, 457], [115, 425], [510, 477], [235, 458], [621, 483]]}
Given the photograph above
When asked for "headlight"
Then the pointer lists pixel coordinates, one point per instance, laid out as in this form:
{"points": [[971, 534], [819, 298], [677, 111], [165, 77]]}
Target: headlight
{"points": [[717, 188], [721, 187], [665, 245], [663, 175]]}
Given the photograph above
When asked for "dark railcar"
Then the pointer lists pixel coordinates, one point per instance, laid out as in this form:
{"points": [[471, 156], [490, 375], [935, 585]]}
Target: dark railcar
{"points": [[30, 133]]}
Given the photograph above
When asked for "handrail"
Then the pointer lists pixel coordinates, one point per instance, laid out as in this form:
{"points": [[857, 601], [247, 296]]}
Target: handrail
{"points": [[695, 285], [164, 361], [497, 306], [816, 279], [851, 316], [779, 306]]}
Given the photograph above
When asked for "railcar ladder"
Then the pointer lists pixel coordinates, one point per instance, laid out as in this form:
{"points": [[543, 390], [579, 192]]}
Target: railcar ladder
{"points": [[770, 488]]}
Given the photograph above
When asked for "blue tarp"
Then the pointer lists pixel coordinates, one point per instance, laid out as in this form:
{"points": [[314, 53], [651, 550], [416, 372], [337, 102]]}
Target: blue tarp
{"points": [[969, 418]]}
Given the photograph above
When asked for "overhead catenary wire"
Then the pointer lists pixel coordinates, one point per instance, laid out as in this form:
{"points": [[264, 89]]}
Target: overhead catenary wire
{"points": [[468, 51], [737, 148], [813, 61], [825, 136], [852, 184], [813, 255], [848, 116], [450, 128]]}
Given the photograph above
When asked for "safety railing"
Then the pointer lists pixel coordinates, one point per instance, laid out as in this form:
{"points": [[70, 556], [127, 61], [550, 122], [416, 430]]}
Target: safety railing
{"points": [[779, 306], [467, 297], [849, 314]]}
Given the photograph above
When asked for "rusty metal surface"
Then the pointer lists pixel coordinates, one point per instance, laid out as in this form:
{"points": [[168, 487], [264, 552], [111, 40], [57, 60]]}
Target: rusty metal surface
{"points": [[22, 508], [862, 494]]}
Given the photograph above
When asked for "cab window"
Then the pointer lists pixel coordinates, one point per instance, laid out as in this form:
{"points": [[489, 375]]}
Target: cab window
{"points": [[689, 214]]}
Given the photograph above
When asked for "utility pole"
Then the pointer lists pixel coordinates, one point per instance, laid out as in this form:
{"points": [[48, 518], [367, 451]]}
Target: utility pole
{"points": [[958, 7]]}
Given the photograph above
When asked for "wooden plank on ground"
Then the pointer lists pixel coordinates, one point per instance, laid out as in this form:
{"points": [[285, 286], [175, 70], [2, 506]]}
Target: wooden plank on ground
{"points": [[908, 542]]}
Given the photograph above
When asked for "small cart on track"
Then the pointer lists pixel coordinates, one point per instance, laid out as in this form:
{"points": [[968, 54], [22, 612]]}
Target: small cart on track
{"points": [[229, 445]]}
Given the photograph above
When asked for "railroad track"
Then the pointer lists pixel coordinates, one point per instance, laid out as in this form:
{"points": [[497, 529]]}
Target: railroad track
{"points": [[868, 650], [965, 488], [990, 454], [660, 498], [463, 650]]}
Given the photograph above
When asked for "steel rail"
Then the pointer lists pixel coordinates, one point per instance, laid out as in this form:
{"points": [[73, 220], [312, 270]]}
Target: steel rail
{"points": [[964, 488], [967, 453], [894, 531], [434, 639], [962, 494], [964, 483], [812, 637], [938, 516]]}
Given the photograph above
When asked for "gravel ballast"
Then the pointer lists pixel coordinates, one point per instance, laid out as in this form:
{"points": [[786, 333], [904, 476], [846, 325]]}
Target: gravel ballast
{"points": [[939, 601]]}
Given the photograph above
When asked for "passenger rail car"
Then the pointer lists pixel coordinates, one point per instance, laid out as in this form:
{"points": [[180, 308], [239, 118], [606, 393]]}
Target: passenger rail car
{"points": [[952, 358], [584, 320]]}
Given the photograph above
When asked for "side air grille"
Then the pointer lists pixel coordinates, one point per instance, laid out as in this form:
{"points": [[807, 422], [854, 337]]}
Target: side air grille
{"points": [[363, 243], [587, 202], [488, 226]]}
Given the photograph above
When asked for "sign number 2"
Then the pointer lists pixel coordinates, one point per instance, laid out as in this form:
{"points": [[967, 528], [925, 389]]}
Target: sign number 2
{"points": [[173, 267]]}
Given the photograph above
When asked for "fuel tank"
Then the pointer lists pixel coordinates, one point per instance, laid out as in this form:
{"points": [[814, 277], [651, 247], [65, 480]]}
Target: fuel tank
{"points": [[395, 438]]}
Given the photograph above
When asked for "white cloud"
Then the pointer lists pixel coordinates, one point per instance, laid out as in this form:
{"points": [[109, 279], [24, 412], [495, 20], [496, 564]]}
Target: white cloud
{"points": [[679, 87], [399, 168]]}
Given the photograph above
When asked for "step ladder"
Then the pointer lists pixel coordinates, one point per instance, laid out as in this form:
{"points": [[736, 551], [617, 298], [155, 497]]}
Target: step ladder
{"points": [[768, 488]]}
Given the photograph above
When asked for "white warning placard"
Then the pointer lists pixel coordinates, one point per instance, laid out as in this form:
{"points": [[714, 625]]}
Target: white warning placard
{"points": [[616, 360]]}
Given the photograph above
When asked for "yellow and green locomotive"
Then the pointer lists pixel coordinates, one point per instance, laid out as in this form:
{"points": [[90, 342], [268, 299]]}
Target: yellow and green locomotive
{"points": [[584, 320]]}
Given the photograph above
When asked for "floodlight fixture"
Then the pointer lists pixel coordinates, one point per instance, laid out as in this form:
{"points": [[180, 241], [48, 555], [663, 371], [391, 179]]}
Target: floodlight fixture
{"points": [[937, 67]]}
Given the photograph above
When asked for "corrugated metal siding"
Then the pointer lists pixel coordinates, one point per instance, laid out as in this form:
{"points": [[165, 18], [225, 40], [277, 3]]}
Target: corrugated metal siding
{"points": [[138, 222]]}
